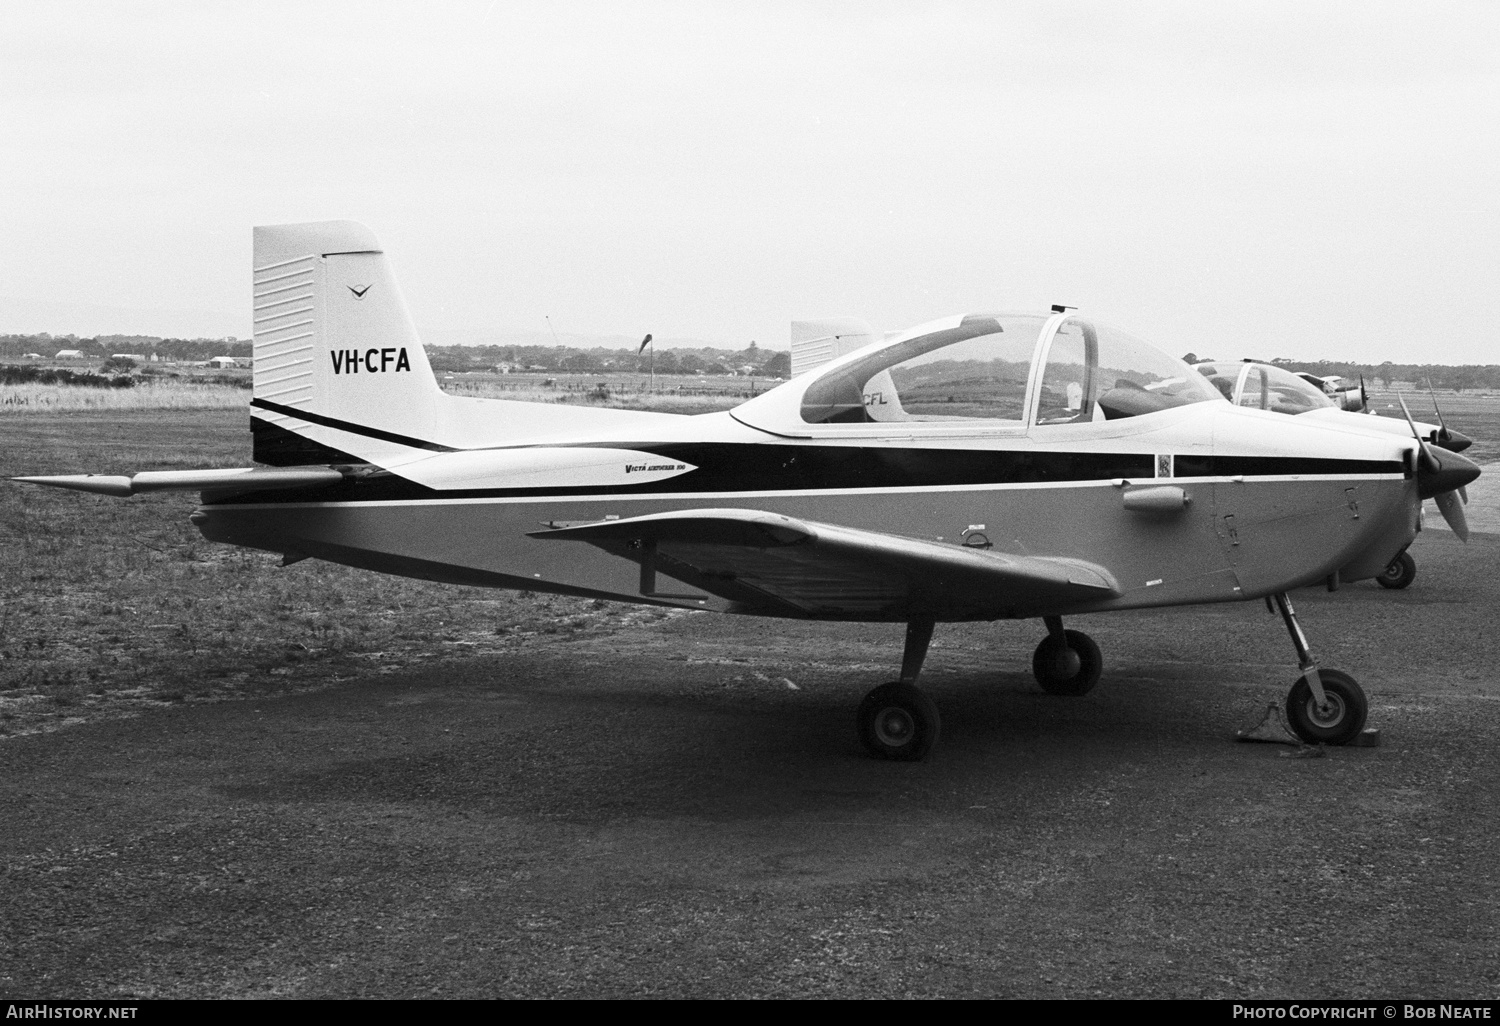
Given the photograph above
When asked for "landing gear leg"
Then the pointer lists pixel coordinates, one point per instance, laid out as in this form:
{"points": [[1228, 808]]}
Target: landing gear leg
{"points": [[1324, 706], [1066, 662], [897, 720]]}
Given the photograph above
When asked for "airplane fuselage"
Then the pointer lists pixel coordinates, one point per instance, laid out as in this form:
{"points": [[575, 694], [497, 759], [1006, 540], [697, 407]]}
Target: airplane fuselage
{"points": [[1255, 518]]}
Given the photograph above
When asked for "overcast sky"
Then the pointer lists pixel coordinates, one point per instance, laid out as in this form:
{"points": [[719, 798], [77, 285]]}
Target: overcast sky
{"points": [[1239, 179]]}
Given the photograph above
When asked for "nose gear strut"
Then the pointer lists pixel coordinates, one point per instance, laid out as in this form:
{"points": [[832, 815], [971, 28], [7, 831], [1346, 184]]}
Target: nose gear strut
{"points": [[1323, 706]]}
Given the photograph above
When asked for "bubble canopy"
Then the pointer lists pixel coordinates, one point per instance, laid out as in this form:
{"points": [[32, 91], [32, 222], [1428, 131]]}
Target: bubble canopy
{"points": [[992, 371], [1263, 386]]}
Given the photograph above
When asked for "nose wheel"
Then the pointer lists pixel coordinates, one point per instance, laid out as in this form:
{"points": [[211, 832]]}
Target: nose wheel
{"points": [[1399, 573], [1338, 719], [1066, 662], [1324, 707]]}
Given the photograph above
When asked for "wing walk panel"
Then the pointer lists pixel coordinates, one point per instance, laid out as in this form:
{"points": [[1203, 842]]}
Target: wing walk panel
{"points": [[774, 564]]}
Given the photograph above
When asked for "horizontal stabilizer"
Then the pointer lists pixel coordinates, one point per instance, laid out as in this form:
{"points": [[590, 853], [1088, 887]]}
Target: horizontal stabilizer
{"points": [[798, 567], [239, 479], [541, 467]]}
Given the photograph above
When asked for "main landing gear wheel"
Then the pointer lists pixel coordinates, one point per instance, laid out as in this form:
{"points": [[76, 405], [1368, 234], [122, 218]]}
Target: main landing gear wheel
{"points": [[1068, 664], [1401, 572], [1336, 722], [897, 721]]}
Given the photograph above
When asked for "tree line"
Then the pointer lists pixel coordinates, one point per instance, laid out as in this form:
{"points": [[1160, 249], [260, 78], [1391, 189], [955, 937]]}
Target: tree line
{"points": [[179, 350], [769, 363], [444, 359], [1458, 378]]}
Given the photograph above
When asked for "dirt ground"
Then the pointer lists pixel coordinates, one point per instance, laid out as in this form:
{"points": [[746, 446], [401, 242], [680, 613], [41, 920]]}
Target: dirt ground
{"points": [[682, 809]]}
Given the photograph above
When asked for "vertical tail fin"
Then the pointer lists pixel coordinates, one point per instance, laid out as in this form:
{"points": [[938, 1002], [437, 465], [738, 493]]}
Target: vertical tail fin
{"points": [[814, 343], [340, 374]]}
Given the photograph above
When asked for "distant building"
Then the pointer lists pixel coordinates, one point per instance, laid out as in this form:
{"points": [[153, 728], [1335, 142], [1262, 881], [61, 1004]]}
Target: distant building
{"points": [[70, 354], [137, 357], [31, 356], [224, 361]]}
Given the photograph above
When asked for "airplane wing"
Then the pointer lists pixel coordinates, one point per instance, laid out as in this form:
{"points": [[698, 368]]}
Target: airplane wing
{"points": [[784, 566]]}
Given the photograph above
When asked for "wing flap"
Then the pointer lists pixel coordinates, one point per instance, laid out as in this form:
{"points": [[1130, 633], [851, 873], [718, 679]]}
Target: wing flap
{"points": [[795, 567]]}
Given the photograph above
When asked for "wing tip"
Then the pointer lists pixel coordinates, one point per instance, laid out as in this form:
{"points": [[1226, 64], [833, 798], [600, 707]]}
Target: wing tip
{"points": [[99, 484]]}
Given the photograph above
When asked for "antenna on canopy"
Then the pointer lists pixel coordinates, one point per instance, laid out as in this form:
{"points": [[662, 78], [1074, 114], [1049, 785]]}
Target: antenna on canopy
{"points": [[1059, 308]]}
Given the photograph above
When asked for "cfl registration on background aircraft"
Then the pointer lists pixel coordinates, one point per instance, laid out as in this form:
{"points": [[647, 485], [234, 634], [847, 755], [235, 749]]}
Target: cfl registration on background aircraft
{"points": [[978, 467]]}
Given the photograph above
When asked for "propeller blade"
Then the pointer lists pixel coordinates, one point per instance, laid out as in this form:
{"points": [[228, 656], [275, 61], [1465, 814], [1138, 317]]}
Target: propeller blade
{"points": [[1453, 512], [1411, 423], [1463, 493], [1425, 459], [1442, 435], [1364, 397]]}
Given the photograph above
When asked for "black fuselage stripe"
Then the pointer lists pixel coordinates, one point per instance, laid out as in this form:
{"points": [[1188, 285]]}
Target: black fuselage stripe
{"points": [[761, 467], [353, 429]]}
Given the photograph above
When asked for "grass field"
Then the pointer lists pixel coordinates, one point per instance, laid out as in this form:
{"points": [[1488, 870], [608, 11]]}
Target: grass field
{"points": [[108, 604]]}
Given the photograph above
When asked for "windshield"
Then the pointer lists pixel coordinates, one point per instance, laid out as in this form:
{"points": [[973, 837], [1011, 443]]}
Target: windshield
{"points": [[1266, 387], [1095, 372]]}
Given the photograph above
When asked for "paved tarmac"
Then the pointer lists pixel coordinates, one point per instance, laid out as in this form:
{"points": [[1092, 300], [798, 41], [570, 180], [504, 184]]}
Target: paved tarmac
{"points": [[685, 811]]}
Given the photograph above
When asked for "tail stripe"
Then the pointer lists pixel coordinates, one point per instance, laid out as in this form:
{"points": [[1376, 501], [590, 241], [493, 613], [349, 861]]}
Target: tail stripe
{"points": [[352, 428]]}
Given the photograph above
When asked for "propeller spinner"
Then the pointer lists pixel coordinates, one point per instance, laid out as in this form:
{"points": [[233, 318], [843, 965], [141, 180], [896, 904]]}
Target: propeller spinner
{"points": [[1439, 477]]}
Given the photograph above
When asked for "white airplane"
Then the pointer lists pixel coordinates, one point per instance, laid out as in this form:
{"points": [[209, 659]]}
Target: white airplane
{"points": [[1264, 386], [1347, 397], [980, 467]]}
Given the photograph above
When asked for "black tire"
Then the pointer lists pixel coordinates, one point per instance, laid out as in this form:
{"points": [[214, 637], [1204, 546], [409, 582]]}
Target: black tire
{"points": [[1400, 573], [1340, 722], [897, 721], [1053, 664]]}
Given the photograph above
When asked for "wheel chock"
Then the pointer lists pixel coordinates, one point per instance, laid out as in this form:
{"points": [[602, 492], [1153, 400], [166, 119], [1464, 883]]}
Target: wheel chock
{"points": [[1271, 729]]}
